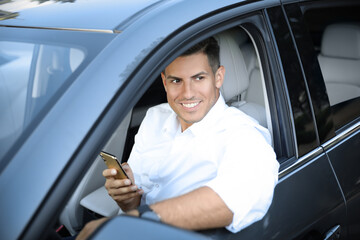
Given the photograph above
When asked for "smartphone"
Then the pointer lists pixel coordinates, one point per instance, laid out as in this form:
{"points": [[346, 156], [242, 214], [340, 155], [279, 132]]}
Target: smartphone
{"points": [[112, 162]]}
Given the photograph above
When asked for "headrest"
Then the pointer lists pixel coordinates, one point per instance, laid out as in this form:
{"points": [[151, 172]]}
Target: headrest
{"points": [[236, 76], [250, 57], [341, 40]]}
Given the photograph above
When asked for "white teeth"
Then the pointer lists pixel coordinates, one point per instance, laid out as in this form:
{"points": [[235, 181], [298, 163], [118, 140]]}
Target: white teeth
{"points": [[190, 105]]}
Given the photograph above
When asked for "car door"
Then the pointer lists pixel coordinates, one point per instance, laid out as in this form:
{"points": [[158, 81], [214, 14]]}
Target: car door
{"points": [[308, 202], [327, 42]]}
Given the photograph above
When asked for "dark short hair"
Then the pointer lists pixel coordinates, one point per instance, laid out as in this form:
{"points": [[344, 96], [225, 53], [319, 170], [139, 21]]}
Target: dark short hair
{"points": [[209, 47]]}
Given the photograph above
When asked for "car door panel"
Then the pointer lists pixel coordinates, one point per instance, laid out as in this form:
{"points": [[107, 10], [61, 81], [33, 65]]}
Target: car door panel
{"points": [[307, 202], [323, 207], [346, 162], [338, 137]]}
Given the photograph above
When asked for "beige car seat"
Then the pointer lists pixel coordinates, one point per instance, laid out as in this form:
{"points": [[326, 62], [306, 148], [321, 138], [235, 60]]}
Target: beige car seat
{"points": [[340, 61]]}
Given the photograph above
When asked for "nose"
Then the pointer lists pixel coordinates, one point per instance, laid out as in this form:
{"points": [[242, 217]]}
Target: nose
{"points": [[188, 89]]}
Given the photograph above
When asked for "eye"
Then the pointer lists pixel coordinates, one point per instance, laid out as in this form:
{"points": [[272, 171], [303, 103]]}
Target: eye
{"points": [[198, 78], [176, 81]]}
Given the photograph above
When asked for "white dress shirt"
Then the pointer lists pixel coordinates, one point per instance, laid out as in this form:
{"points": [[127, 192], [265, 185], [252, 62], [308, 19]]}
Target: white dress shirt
{"points": [[226, 151]]}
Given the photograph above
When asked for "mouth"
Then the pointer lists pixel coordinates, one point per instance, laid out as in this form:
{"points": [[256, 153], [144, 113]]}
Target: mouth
{"points": [[190, 105]]}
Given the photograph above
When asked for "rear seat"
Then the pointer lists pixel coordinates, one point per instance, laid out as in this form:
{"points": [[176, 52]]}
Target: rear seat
{"points": [[340, 61], [242, 86]]}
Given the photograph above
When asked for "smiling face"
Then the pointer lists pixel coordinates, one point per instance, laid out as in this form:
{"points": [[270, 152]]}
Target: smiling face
{"points": [[191, 87]]}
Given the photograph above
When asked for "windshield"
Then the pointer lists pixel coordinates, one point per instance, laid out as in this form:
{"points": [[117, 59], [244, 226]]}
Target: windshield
{"points": [[33, 74]]}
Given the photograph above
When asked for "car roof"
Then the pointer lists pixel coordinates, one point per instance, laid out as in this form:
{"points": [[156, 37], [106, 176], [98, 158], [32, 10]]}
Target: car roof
{"points": [[97, 15], [89, 15]]}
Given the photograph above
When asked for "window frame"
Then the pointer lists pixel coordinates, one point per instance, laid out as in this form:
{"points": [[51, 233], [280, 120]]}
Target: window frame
{"points": [[298, 99]]}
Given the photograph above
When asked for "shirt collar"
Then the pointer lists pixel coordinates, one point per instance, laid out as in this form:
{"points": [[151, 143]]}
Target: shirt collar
{"points": [[171, 125], [210, 118]]}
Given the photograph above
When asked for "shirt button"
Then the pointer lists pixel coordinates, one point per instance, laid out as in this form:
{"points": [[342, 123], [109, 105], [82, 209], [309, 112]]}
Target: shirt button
{"points": [[156, 185]]}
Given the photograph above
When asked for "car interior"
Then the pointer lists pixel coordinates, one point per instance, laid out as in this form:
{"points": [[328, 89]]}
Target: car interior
{"points": [[243, 88], [339, 60], [335, 36]]}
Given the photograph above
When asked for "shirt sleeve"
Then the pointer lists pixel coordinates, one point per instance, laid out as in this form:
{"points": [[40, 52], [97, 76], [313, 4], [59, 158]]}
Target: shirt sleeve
{"points": [[247, 175]]}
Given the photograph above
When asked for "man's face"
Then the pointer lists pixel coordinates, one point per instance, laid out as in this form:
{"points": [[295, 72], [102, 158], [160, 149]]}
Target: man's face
{"points": [[191, 87]]}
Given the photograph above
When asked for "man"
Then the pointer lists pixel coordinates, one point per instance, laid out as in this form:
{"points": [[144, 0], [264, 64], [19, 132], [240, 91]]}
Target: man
{"points": [[196, 163]]}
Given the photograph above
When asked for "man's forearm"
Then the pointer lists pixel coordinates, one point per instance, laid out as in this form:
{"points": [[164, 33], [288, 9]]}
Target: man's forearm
{"points": [[200, 209]]}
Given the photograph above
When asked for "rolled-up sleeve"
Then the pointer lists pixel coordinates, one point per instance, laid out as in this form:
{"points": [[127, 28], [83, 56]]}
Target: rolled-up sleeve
{"points": [[246, 178]]}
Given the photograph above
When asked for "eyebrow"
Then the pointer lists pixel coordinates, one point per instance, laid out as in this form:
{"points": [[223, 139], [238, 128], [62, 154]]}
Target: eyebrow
{"points": [[173, 77], [194, 76], [199, 74]]}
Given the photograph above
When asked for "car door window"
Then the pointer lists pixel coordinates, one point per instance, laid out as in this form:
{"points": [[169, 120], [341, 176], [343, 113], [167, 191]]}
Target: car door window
{"points": [[335, 34]]}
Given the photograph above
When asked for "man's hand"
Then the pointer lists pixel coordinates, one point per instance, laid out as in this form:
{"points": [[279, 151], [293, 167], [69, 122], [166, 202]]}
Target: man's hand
{"points": [[90, 228], [126, 194]]}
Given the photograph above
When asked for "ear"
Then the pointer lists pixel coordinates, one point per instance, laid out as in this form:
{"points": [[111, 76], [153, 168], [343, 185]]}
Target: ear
{"points": [[164, 80], [219, 77]]}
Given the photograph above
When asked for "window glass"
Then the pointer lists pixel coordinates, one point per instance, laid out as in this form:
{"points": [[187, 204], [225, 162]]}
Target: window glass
{"points": [[335, 32], [30, 75]]}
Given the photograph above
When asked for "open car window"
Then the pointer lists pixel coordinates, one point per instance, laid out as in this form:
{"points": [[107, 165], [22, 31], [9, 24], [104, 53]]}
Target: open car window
{"points": [[244, 88]]}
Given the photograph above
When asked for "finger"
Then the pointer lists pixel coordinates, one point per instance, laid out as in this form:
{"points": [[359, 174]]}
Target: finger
{"points": [[112, 183], [126, 168], [122, 190], [110, 172], [128, 171], [125, 197]]}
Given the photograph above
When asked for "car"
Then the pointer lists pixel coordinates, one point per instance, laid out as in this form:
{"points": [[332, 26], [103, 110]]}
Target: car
{"points": [[76, 78]]}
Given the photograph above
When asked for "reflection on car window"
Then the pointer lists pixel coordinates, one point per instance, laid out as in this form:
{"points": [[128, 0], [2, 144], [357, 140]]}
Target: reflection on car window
{"points": [[337, 42], [30, 74], [339, 60]]}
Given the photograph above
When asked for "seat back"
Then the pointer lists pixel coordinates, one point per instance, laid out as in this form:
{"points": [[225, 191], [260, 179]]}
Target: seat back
{"points": [[240, 88], [236, 79], [340, 61]]}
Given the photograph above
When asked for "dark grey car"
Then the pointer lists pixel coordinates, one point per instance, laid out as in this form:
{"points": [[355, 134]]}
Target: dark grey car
{"points": [[76, 77]]}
